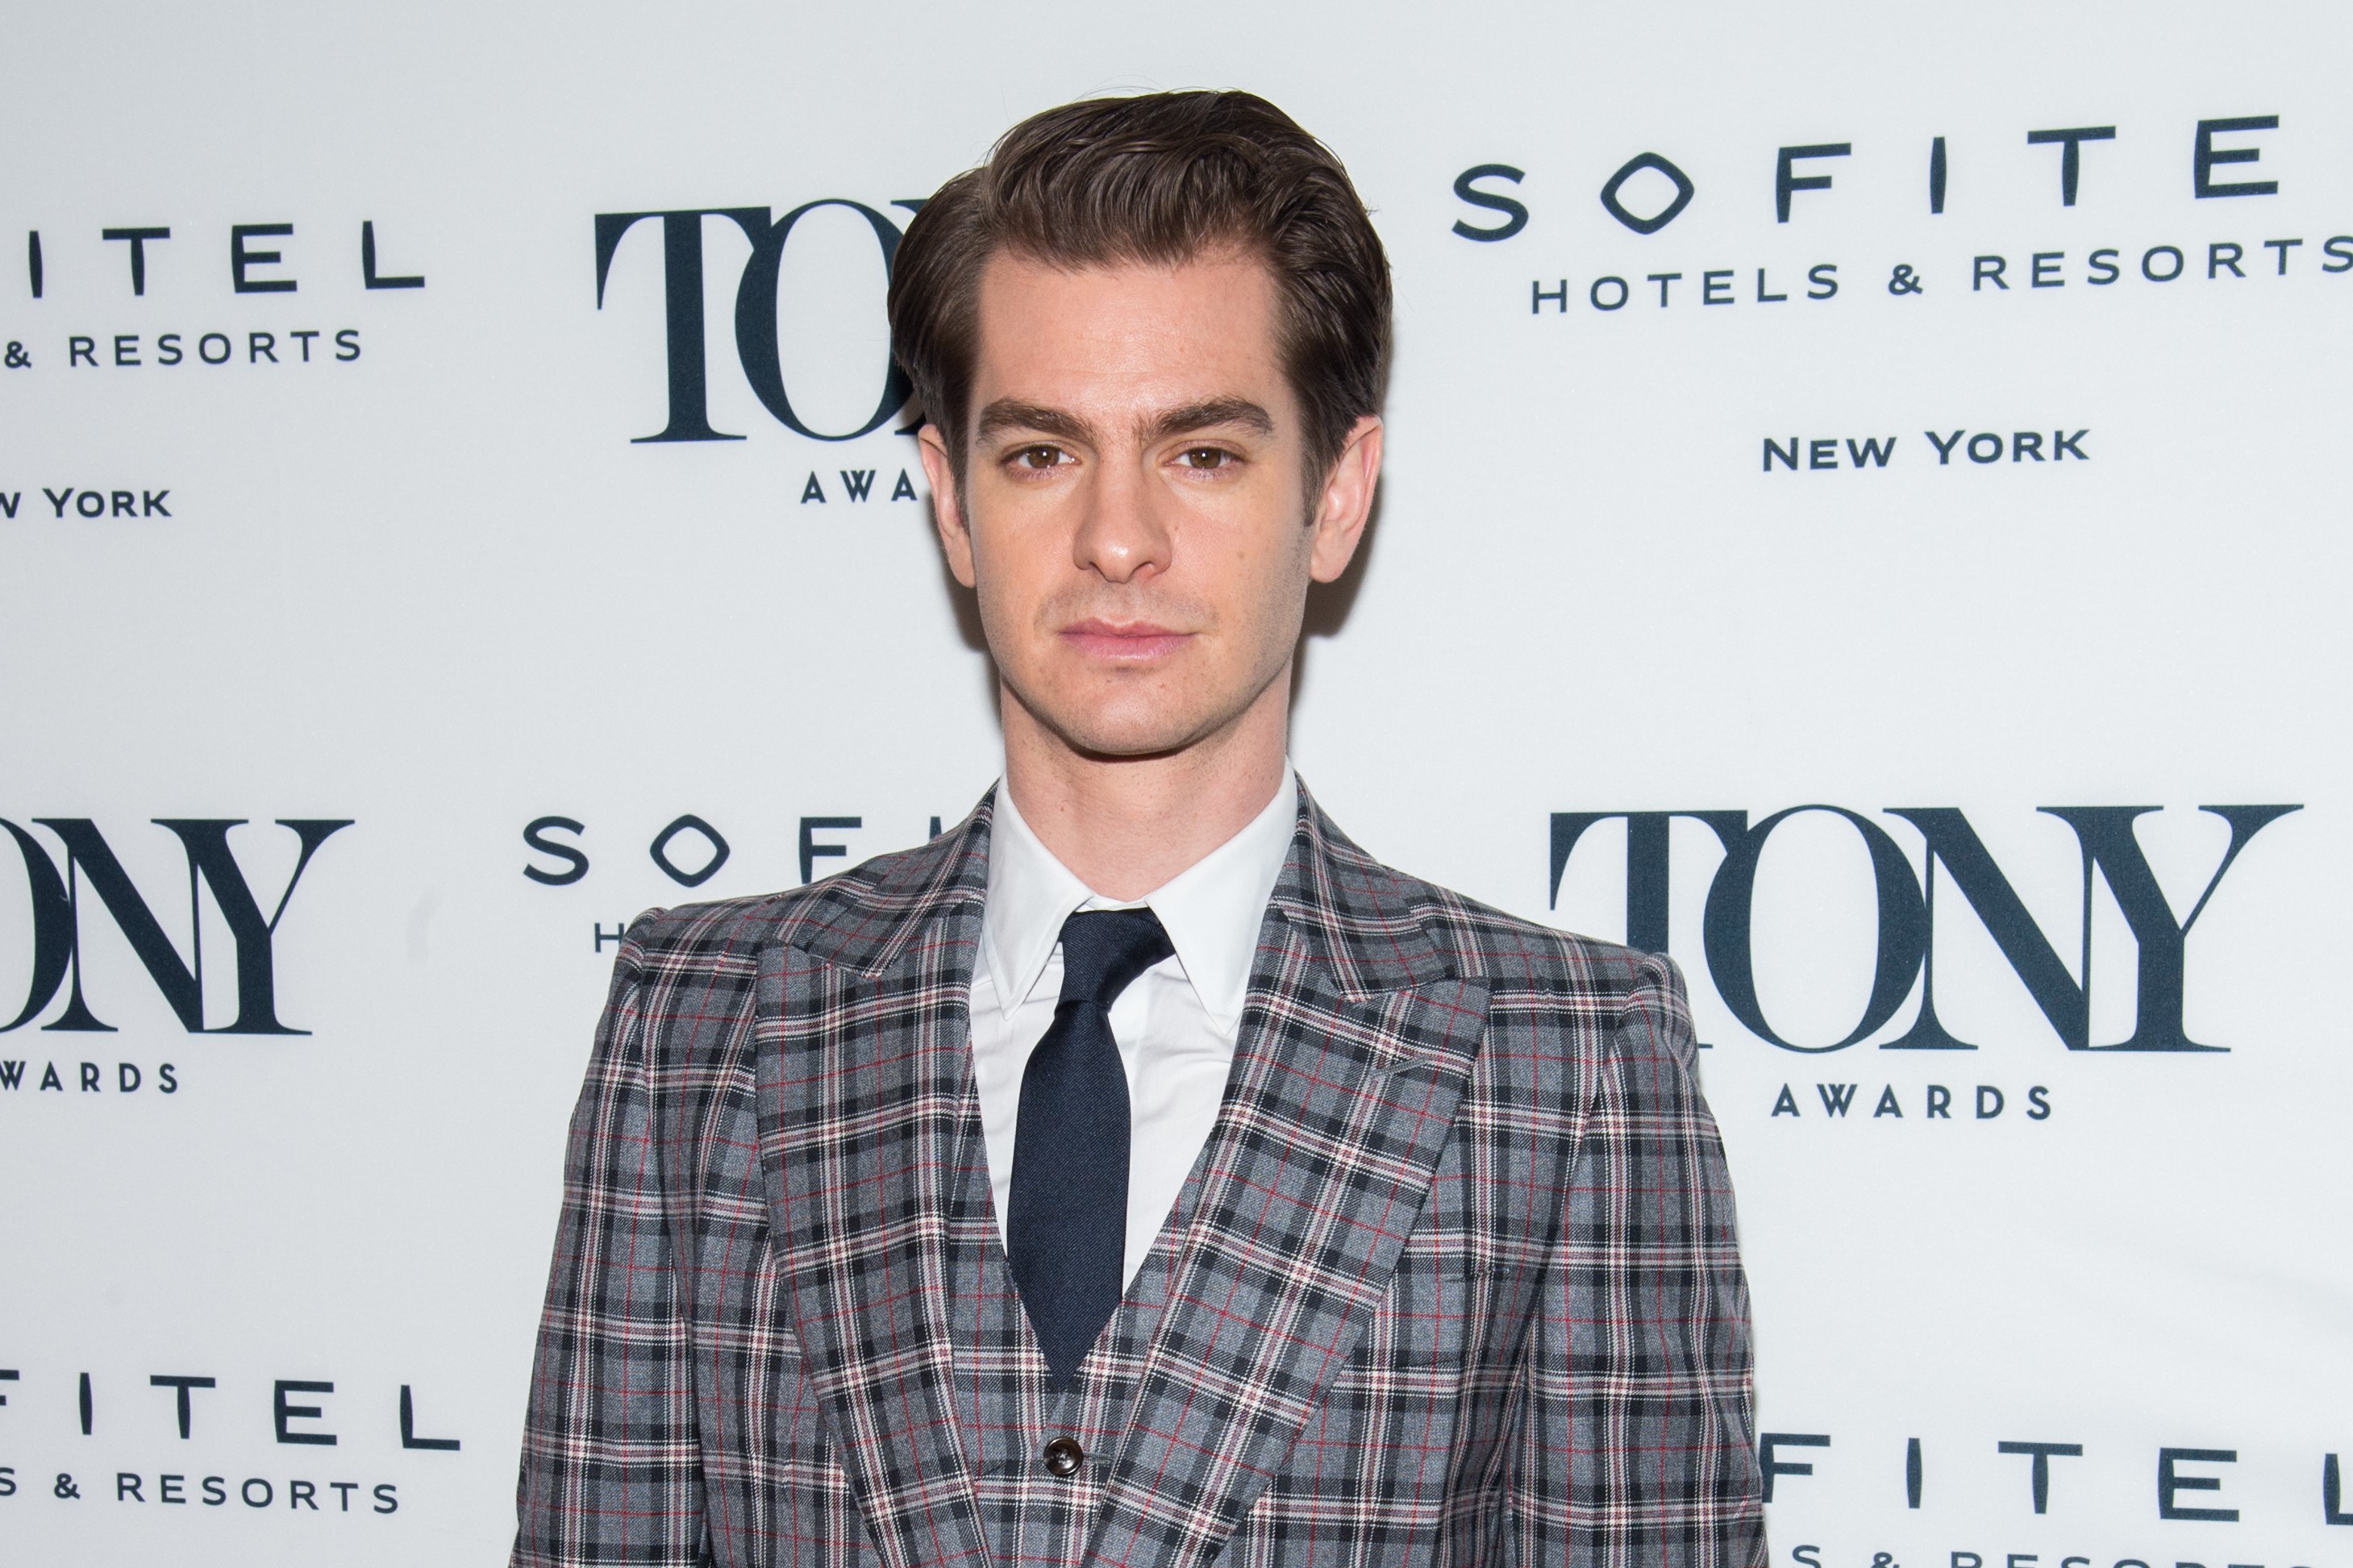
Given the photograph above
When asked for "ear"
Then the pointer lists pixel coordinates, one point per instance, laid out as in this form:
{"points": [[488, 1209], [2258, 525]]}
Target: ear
{"points": [[1345, 502], [948, 512]]}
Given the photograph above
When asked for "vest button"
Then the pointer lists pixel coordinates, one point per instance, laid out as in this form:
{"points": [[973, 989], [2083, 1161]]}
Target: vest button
{"points": [[1064, 1457]]}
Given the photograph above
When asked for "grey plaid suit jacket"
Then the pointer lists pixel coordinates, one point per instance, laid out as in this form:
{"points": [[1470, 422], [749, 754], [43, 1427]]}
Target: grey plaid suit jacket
{"points": [[1459, 1282]]}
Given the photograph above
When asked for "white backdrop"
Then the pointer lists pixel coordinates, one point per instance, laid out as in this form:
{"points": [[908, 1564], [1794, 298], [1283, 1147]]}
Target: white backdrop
{"points": [[424, 580]]}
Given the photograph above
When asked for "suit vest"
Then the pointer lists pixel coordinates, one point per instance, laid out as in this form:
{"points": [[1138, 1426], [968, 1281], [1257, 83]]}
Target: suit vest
{"points": [[1006, 1414]]}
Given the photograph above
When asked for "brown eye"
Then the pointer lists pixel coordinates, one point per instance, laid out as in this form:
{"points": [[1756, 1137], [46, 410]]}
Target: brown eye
{"points": [[1038, 457], [1207, 457]]}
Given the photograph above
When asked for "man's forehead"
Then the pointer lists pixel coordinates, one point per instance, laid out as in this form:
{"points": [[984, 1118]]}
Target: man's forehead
{"points": [[1228, 270], [1131, 336]]}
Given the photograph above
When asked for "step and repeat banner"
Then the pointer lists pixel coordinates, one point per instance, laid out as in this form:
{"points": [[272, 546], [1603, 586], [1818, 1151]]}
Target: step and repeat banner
{"points": [[1867, 516]]}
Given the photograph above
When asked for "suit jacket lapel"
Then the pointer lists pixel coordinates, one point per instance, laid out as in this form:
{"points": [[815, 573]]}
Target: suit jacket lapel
{"points": [[863, 1059], [1356, 1042]]}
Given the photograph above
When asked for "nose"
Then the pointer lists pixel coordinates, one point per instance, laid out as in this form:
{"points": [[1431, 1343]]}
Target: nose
{"points": [[1123, 534]]}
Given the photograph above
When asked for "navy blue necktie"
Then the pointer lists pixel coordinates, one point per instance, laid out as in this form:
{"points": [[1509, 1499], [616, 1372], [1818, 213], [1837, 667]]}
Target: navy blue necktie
{"points": [[1068, 1225]]}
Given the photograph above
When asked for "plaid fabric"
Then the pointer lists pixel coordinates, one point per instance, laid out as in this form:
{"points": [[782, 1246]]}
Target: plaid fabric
{"points": [[1005, 1408], [1453, 1282]]}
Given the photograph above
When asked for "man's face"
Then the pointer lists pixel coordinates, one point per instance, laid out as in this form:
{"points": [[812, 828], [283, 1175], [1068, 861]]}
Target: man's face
{"points": [[1134, 509]]}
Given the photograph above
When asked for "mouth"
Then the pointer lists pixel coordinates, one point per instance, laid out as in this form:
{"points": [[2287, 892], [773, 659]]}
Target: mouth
{"points": [[1132, 642]]}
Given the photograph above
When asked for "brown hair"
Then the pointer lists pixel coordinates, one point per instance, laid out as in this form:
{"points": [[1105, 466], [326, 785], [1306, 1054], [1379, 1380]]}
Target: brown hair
{"points": [[1158, 178]]}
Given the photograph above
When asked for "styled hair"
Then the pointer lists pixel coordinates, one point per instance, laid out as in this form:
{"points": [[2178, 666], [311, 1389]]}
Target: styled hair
{"points": [[1160, 178]]}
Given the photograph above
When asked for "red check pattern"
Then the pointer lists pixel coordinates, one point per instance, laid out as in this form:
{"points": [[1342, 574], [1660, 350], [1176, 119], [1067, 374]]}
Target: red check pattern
{"points": [[1454, 1282]]}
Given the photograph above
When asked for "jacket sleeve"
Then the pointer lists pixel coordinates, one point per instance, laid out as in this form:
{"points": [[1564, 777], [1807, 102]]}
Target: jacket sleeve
{"points": [[1638, 1447], [611, 1469]]}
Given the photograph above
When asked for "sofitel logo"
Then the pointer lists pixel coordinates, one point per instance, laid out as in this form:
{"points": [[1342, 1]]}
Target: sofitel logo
{"points": [[1649, 192], [89, 861], [2217, 145], [260, 262], [1908, 912]]}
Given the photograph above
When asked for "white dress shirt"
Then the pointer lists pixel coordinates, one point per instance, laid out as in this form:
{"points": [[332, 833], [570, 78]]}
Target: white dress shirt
{"points": [[1177, 1024]]}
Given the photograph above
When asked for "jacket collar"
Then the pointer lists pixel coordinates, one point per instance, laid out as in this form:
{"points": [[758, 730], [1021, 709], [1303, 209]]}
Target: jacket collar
{"points": [[1352, 911], [1349, 906], [868, 921]]}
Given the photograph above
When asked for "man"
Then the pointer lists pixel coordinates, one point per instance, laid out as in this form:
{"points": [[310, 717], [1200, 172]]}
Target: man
{"points": [[1139, 1172]]}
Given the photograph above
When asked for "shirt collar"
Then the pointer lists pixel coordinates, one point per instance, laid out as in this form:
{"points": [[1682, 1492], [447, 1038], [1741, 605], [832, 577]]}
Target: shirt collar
{"points": [[1211, 910]]}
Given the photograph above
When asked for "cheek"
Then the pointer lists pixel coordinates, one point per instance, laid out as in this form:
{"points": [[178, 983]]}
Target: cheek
{"points": [[1015, 565], [1269, 578], [1009, 608]]}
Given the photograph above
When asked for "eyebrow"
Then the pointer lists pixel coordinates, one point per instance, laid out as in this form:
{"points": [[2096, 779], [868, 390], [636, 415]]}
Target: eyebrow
{"points": [[1011, 414], [1214, 411]]}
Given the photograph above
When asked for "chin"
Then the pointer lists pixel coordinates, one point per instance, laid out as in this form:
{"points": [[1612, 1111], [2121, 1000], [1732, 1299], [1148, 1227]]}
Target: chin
{"points": [[1126, 724], [1095, 736]]}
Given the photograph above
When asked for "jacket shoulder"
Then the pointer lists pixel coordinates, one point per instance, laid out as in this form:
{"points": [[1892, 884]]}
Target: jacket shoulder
{"points": [[1630, 1004], [1513, 954]]}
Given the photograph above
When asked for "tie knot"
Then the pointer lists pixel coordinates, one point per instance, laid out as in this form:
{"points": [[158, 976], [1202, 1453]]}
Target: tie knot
{"points": [[1104, 949]]}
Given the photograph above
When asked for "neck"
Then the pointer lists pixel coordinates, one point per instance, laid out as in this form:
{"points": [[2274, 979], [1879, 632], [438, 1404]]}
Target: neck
{"points": [[1124, 826]]}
